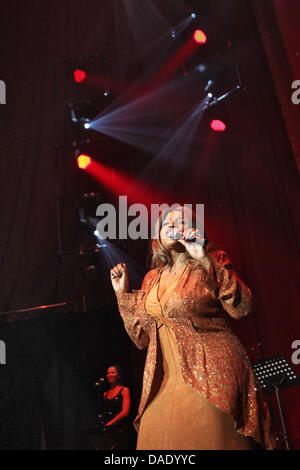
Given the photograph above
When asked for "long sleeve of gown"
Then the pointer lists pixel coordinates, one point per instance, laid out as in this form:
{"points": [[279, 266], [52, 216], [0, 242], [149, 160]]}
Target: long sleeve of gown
{"points": [[134, 318], [234, 295]]}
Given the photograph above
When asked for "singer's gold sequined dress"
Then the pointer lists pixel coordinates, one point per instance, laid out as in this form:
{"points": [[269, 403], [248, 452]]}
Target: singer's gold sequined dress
{"points": [[199, 390]]}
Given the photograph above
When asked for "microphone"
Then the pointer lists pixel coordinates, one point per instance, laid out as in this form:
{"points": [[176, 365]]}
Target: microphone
{"points": [[176, 234], [100, 382]]}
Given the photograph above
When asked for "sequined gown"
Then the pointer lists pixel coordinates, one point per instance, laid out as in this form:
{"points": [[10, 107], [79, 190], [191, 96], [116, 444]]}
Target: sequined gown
{"points": [[199, 390]]}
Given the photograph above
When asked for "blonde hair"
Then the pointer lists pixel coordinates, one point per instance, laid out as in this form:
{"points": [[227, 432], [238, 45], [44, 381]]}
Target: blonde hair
{"points": [[159, 255]]}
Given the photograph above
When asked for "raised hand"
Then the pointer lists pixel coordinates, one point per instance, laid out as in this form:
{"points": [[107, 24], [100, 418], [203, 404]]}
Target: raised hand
{"points": [[119, 278]]}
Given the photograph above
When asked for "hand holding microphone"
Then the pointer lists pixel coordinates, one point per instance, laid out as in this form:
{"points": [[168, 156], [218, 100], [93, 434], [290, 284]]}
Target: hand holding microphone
{"points": [[189, 235], [177, 234], [192, 241]]}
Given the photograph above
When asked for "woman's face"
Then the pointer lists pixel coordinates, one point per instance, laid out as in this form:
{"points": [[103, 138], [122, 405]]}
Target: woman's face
{"points": [[174, 219], [112, 375]]}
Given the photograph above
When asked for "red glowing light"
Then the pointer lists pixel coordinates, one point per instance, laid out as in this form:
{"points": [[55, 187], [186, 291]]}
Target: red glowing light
{"points": [[217, 125], [79, 75], [200, 36], [83, 161]]}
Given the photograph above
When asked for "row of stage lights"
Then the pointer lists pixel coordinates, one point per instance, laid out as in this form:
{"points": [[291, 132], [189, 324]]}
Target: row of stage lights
{"points": [[80, 75], [199, 37], [84, 160]]}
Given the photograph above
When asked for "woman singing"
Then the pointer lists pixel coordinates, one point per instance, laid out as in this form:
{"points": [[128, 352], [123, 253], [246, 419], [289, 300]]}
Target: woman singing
{"points": [[116, 399], [118, 432], [199, 389]]}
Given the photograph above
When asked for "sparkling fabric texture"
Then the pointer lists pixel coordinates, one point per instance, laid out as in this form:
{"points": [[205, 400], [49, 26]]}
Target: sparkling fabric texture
{"points": [[212, 360]]}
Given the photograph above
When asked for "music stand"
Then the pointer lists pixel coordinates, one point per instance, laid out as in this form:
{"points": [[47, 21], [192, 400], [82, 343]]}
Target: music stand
{"points": [[275, 374], [99, 437]]}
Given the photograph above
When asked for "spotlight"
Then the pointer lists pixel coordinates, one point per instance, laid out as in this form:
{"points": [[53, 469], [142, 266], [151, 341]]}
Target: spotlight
{"points": [[208, 85], [83, 161], [193, 15], [79, 75], [201, 68], [83, 112], [101, 243], [217, 125], [199, 36], [106, 93], [173, 33]]}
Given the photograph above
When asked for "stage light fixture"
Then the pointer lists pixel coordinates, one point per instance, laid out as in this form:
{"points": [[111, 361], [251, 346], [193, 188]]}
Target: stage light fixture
{"points": [[101, 243], [79, 75], [83, 161], [87, 207], [201, 68], [193, 15], [217, 125], [84, 112], [208, 85], [199, 36]]}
